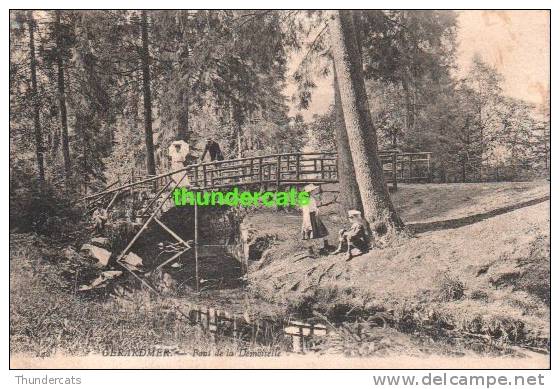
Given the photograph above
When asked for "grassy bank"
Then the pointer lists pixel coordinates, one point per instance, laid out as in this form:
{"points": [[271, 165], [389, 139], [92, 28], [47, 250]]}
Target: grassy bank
{"points": [[478, 268], [48, 317]]}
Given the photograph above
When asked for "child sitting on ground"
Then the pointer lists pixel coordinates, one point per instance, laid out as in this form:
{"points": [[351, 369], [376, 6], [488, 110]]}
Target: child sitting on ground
{"points": [[354, 237]]}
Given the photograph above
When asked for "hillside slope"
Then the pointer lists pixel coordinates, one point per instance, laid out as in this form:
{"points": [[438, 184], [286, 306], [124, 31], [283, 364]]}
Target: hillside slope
{"points": [[480, 265]]}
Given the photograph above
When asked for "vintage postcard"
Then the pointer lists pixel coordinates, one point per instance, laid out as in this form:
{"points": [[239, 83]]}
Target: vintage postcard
{"points": [[279, 189]]}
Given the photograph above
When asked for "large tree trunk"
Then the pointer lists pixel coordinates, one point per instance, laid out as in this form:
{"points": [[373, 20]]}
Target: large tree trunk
{"points": [[183, 119], [36, 108], [239, 145], [482, 148], [349, 197], [238, 120], [62, 99], [410, 115], [378, 208], [150, 160]]}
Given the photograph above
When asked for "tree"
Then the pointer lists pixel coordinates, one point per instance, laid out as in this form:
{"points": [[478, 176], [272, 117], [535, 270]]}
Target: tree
{"points": [[485, 83], [35, 99], [399, 49], [378, 208], [62, 96], [543, 136], [519, 137], [229, 64], [149, 136], [409, 49], [93, 96], [173, 36], [349, 197]]}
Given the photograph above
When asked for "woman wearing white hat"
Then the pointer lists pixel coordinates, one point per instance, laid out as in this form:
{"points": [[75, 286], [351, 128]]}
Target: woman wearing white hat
{"points": [[312, 227], [178, 151]]}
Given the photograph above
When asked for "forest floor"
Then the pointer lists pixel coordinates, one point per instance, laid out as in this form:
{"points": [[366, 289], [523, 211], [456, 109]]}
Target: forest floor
{"points": [[476, 271], [473, 280], [48, 317]]}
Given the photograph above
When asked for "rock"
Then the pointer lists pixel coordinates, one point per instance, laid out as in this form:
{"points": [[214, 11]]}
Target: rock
{"points": [[482, 270], [70, 254], [253, 244], [99, 254], [101, 242], [257, 246], [132, 261], [168, 284], [102, 280]]}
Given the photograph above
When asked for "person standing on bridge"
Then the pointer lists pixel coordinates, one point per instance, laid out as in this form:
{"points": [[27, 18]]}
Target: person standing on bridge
{"points": [[213, 149], [312, 226], [178, 152]]}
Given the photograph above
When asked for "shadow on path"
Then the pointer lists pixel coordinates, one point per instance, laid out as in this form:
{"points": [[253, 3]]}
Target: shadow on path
{"points": [[465, 221]]}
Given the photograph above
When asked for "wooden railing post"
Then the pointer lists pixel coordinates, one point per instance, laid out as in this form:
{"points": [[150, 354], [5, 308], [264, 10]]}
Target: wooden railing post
{"points": [[250, 180], [278, 161], [394, 170], [429, 167], [315, 166], [297, 167], [197, 279], [204, 176]]}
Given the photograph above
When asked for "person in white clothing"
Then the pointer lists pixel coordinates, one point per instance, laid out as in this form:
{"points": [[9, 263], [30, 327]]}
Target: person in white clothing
{"points": [[312, 226], [178, 152]]}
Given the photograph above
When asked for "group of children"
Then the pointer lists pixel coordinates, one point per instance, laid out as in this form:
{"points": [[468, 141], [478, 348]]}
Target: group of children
{"points": [[355, 237]]}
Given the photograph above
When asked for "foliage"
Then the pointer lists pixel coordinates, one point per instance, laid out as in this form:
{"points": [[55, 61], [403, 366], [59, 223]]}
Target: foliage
{"points": [[40, 208], [224, 73], [322, 131], [418, 102]]}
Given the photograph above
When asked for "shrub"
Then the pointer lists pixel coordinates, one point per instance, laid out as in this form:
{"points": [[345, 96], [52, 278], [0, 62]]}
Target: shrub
{"points": [[41, 208], [450, 288]]}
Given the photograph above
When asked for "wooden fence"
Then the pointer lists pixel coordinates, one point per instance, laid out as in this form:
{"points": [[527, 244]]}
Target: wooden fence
{"points": [[406, 167]]}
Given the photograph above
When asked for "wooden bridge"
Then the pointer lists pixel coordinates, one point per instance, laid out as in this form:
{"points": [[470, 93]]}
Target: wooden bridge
{"points": [[151, 195], [275, 170]]}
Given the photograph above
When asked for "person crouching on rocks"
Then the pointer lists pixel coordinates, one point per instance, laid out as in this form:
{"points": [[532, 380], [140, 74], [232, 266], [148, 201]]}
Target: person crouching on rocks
{"points": [[354, 237], [312, 227]]}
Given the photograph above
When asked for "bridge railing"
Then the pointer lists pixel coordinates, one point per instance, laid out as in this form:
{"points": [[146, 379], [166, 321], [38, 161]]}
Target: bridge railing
{"points": [[277, 169], [406, 167]]}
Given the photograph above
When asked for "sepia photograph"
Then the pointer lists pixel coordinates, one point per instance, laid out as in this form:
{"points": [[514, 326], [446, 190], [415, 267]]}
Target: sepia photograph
{"points": [[279, 189]]}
